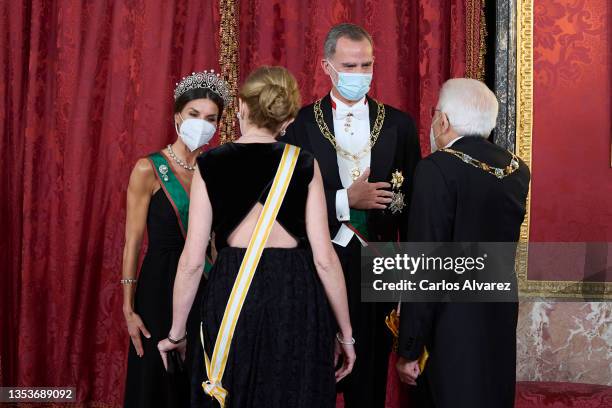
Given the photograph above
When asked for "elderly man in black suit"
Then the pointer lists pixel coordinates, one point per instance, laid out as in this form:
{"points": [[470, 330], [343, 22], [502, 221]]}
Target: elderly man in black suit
{"points": [[468, 190]]}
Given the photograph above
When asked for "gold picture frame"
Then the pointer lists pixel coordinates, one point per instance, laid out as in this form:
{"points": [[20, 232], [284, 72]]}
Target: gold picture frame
{"points": [[524, 120]]}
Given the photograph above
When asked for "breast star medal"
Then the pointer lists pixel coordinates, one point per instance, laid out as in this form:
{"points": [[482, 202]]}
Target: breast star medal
{"points": [[398, 200]]}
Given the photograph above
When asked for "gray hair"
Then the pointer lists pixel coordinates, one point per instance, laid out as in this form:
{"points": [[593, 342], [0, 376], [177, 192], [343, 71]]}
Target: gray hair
{"points": [[470, 105], [351, 31]]}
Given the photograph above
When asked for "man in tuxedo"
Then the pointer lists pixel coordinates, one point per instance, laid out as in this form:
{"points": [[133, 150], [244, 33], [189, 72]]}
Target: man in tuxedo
{"points": [[367, 152], [470, 190]]}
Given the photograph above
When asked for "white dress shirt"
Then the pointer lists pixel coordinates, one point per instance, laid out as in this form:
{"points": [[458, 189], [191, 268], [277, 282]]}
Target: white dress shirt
{"points": [[352, 132], [452, 142]]}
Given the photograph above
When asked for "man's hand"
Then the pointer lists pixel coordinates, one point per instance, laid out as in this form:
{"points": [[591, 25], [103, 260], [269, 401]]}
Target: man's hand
{"points": [[364, 195], [408, 370]]}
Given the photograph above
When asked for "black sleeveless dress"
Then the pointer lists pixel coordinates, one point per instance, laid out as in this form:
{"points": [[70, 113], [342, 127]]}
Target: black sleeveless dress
{"points": [[148, 384], [281, 354]]}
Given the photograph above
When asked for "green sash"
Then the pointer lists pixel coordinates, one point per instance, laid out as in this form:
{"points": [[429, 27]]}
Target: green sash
{"points": [[359, 220], [176, 193], [173, 188]]}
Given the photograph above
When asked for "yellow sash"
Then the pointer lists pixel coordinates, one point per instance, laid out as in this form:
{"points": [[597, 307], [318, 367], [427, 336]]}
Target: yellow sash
{"points": [[215, 367]]}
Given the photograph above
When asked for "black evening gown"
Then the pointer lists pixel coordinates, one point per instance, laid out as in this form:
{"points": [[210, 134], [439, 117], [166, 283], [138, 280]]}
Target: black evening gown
{"points": [[282, 351], [148, 384]]}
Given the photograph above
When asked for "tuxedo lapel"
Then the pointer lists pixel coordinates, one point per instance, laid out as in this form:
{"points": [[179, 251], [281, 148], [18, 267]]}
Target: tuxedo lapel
{"points": [[328, 115], [383, 152], [323, 149]]}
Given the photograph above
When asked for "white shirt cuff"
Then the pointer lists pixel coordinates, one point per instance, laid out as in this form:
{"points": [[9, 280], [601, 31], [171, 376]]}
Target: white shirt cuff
{"points": [[343, 211], [344, 236]]}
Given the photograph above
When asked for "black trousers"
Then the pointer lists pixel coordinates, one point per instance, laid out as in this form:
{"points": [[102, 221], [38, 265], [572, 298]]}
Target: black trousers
{"points": [[472, 361], [366, 385]]}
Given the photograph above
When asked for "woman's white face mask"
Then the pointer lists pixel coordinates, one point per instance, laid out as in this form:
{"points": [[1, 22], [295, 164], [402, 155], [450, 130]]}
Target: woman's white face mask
{"points": [[195, 133]]}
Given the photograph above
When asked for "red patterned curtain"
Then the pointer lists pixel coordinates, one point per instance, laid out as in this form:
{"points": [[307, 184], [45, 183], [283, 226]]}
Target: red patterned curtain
{"points": [[86, 90], [417, 45]]}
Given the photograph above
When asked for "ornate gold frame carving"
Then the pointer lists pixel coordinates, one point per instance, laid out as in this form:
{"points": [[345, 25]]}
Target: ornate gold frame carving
{"points": [[524, 121], [475, 39], [228, 60]]}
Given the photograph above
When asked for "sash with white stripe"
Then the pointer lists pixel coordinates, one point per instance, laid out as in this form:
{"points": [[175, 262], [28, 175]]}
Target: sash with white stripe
{"points": [[215, 367]]}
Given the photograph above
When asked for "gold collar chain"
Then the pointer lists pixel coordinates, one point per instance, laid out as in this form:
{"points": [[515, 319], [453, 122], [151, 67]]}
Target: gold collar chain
{"points": [[496, 171], [378, 123]]}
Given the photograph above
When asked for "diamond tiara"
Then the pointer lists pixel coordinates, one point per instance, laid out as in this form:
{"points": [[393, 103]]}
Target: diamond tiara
{"points": [[204, 80]]}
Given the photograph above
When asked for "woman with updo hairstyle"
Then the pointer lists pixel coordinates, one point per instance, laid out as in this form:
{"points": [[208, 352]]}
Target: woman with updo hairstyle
{"points": [[283, 349], [272, 97]]}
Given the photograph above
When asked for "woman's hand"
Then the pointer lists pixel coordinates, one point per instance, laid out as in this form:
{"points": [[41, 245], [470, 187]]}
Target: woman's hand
{"points": [[329, 271], [347, 351], [166, 346], [135, 326]]}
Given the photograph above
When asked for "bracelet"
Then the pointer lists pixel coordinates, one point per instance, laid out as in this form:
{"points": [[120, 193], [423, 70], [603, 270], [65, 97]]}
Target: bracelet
{"points": [[173, 341], [341, 341], [128, 281]]}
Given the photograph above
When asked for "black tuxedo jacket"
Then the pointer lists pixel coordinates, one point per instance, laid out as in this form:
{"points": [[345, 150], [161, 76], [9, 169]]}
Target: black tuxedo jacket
{"points": [[397, 148]]}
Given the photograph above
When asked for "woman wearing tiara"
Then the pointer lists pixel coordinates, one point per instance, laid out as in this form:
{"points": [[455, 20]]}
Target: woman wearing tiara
{"points": [[267, 330], [158, 201]]}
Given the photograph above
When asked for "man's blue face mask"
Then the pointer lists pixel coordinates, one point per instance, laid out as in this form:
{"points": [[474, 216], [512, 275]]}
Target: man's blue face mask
{"points": [[352, 86]]}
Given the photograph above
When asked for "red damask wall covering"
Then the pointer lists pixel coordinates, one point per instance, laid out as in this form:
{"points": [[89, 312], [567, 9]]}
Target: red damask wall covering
{"points": [[572, 180], [86, 89]]}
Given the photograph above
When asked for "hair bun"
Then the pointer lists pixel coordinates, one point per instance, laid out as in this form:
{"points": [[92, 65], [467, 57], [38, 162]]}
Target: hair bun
{"points": [[274, 102], [272, 96]]}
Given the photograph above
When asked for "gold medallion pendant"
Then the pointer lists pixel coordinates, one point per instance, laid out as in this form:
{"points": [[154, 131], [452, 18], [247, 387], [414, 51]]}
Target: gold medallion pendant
{"points": [[355, 173]]}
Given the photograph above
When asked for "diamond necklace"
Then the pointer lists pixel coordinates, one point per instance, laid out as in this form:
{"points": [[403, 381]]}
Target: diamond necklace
{"points": [[179, 161]]}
